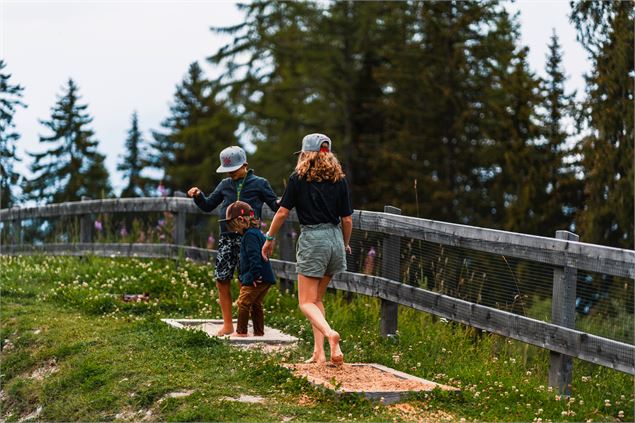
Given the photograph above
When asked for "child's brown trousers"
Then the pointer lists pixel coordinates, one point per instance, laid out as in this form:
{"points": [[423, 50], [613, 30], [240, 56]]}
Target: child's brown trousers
{"points": [[250, 302]]}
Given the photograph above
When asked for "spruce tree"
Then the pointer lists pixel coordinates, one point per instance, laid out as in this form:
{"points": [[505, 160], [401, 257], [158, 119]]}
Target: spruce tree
{"points": [[72, 167], [406, 90], [134, 162], [562, 196], [199, 126], [605, 29], [10, 99]]}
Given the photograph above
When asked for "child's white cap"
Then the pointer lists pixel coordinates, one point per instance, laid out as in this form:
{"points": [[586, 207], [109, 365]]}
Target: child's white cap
{"points": [[231, 159]]}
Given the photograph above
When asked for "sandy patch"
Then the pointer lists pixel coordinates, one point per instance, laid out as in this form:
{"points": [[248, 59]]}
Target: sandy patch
{"points": [[359, 378]]}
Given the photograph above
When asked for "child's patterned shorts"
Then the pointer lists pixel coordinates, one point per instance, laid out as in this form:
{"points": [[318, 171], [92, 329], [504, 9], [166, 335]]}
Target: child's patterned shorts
{"points": [[228, 256]]}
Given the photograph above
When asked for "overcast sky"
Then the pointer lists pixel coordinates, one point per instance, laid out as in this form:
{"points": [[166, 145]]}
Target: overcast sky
{"points": [[128, 56]]}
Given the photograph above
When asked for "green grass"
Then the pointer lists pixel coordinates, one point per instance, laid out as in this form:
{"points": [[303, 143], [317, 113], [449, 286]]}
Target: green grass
{"points": [[72, 347]]}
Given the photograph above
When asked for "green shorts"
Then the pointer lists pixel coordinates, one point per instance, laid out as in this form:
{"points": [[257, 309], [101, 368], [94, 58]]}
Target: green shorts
{"points": [[320, 250]]}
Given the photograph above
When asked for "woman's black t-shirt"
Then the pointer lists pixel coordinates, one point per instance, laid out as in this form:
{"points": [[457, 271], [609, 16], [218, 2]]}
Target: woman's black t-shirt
{"points": [[317, 202]]}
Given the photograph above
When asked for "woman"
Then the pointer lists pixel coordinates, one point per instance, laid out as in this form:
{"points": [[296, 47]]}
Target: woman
{"points": [[319, 192]]}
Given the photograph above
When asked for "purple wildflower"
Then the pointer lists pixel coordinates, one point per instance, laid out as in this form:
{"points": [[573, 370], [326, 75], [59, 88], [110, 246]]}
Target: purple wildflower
{"points": [[163, 192]]}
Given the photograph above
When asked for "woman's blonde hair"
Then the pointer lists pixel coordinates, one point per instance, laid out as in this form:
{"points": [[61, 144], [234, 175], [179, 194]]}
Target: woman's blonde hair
{"points": [[319, 167]]}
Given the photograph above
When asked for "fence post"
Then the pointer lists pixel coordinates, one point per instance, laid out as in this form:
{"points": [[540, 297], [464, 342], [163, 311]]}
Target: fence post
{"points": [[287, 253], [178, 231], [86, 226], [390, 269], [17, 232], [563, 314]]}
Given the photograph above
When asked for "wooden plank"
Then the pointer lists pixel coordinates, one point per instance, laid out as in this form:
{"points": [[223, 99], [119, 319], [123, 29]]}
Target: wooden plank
{"points": [[590, 257], [563, 314], [287, 253], [111, 205], [594, 258], [390, 269], [86, 226], [598, 350]]}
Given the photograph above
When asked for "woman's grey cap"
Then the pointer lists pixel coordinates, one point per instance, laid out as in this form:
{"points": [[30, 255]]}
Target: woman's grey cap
{"points": [[231, 159], [313, 142]]}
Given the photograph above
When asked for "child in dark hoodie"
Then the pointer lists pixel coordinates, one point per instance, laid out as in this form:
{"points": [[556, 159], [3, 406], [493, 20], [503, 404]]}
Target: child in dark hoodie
{"points": [[256, 275]]}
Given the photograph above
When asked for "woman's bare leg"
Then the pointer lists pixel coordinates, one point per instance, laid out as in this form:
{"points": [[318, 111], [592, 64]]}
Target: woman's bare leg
{"points": [[318, 337], [310, 294], [225, 298]]}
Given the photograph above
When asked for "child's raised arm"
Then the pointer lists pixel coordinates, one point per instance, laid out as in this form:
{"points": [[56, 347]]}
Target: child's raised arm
{"points": [[207, 204]]}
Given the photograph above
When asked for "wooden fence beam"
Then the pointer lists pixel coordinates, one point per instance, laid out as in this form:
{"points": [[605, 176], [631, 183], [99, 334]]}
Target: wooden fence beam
{"points": [[180, 215], [86, 223], [287, 253], [390, 269], [557, 252], [563, 314]]}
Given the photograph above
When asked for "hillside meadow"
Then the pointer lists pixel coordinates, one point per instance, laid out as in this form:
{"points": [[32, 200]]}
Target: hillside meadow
{"points": [[73, 351]]}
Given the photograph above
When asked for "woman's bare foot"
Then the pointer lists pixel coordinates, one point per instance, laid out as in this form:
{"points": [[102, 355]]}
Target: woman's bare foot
{"points": [[225, 331], [337, 357], [316, 358]]}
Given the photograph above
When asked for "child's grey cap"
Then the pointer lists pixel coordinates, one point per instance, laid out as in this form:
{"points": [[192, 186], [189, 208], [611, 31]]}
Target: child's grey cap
{"points": [[313, 142], [231, 159]]}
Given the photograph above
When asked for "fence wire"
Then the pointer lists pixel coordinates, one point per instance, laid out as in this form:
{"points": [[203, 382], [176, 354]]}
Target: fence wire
{"points": [[604, 304]]}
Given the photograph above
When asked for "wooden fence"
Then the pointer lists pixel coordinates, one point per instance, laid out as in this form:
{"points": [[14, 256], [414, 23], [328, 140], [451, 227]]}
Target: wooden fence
{"points": [[564, 252]]}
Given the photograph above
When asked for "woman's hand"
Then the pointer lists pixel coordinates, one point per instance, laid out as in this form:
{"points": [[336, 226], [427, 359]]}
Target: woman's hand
{"points": [[193, 192], [267, 249], [348, 250]]}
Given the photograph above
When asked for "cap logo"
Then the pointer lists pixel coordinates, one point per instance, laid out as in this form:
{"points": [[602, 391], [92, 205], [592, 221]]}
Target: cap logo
{"points": [[227, 161]]}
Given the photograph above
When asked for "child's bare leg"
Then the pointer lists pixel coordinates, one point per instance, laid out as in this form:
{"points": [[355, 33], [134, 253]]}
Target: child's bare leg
{"points": [[225, 298], [310, 294]]}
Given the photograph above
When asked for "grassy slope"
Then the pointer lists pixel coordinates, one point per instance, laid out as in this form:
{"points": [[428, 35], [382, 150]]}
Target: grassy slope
{"points": [[71, 347]]}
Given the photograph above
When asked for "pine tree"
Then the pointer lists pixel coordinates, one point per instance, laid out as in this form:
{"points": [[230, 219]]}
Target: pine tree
{"points": [[10, 96], [605, 29], [562, 195], [523, 160], [134, 161], [72, 167], [406, 90], [200, 125], [273, 88]]}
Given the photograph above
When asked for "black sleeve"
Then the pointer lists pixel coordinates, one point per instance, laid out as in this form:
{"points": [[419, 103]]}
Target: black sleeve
{"points": [[345, 207], [289, 197], [268, 196]]}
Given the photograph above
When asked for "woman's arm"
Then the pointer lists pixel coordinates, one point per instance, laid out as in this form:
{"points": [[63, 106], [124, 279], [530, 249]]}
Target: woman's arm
{"points": [[276, 223], [347, 229]]}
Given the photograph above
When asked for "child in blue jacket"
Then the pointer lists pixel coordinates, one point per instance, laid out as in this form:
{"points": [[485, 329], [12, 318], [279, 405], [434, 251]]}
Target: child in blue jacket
{"points": [[243, 185], [256, 275]]}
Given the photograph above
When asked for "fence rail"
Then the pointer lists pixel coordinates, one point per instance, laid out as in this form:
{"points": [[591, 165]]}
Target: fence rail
{"points": [[583, 256], [562, 253]]}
